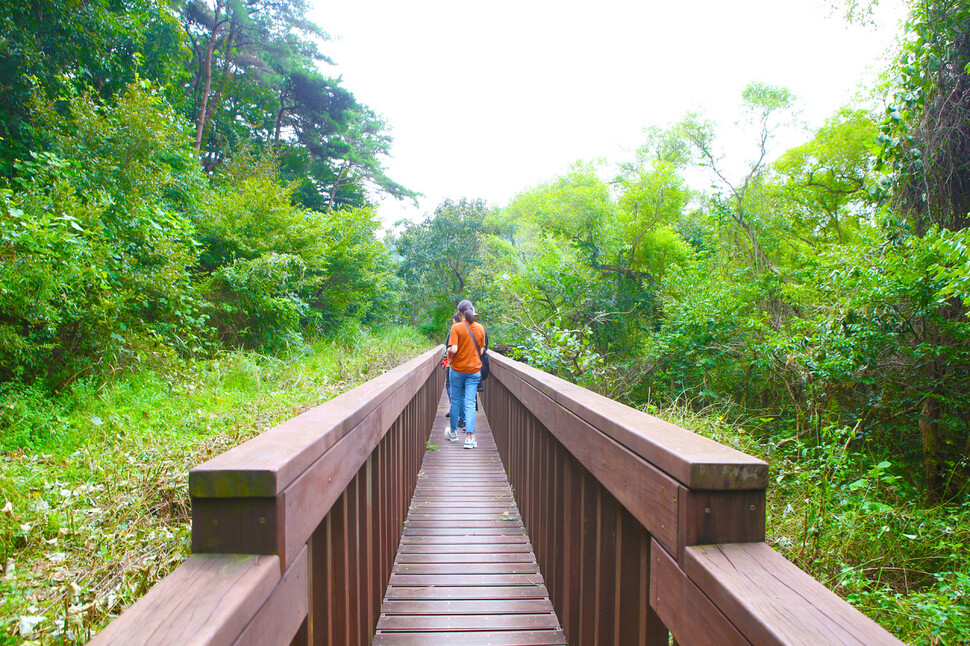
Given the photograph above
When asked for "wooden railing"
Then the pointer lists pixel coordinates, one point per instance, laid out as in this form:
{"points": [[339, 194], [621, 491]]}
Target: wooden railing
{"points": [[641, 527], [294, 532]]}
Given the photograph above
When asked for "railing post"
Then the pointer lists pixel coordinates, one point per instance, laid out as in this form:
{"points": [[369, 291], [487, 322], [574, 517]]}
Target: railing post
{"points": [[295, 530], [640, 526]]}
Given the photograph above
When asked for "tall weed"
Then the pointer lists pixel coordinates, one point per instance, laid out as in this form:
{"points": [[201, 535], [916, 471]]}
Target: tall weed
{"points": [[95, 506], [852, 521]]}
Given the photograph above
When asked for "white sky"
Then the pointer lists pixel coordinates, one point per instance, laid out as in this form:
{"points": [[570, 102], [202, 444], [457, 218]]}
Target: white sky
{"points": [[488, 99]]}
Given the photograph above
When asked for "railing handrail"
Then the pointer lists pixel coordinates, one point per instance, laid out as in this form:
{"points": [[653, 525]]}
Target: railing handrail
{"points": [[694, 461], [307, 461], [294, 531], [263, 535], [266, 464], [700, 507]]}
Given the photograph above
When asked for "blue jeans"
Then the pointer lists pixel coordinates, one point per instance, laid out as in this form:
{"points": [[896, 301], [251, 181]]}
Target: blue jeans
{"points": [[464, 391]]}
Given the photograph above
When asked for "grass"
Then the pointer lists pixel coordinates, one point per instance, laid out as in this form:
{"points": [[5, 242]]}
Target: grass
{"points": [[851, 520], [95, 510]]}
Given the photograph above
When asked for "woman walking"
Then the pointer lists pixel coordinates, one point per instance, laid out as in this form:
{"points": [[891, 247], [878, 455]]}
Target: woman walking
{"points": [[455, 318], [465, 345]]}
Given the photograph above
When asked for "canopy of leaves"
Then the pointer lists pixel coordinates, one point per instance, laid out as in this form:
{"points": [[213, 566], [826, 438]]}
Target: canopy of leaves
{"points": [[145, 211]]}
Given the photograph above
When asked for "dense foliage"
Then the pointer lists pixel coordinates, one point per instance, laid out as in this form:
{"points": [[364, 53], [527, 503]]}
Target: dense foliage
{"points": [[175, 178], [810, 288], [180, 179], [183, 190], [97, 511], [819, 294]]}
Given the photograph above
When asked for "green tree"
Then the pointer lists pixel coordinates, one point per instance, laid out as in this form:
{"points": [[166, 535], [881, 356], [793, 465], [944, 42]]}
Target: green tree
{"points": [[49, 46], [97, 241], [577, 207], [825, 187], [925, 161], [767, 110], [925, 146], [652, 200], [256, 82], [276, 267], [437, 257]]}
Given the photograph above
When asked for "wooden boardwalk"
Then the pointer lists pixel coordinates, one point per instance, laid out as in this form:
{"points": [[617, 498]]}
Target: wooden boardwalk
{"points": [[465, 571]]}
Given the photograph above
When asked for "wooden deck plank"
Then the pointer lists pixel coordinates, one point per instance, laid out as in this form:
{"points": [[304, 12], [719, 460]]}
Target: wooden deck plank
{"points": [[465, 568], [459, 538], [462, 523], [440, 623], [465, 572], [503, 638], [501, 530], [464, 558], [467, 607], [444, 519], [468, 548], [467, 592]]}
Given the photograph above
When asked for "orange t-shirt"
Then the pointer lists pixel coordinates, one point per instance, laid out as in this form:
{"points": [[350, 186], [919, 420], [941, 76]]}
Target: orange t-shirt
{"points": [[466, 359]]}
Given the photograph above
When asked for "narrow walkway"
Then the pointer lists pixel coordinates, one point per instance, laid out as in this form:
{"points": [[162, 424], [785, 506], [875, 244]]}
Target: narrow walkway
{"points": [[465, 572]]}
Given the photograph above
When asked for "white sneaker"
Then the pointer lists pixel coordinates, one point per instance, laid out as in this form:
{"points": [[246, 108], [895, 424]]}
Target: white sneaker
{"points": [[474, 442], [470, 443], [452, 436]]}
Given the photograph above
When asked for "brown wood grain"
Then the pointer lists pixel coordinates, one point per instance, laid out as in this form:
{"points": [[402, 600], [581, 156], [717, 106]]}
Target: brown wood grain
{"points": [[685, 610], [619, 506], [773, 602], [466, 569], [236, 526], [458, 539], [280, 617], [589, 508], [569, 612], [468, 622], [465, 557], [321, 588], [268, 463], [645, 491], [208, 599], [606, 560], [695, 461], [708, 517], [307, 500], [467, 606], [469, 550], [445, 592], [485, 638], [303, 489]]}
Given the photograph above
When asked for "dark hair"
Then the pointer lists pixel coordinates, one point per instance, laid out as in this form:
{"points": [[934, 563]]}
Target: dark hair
{"points": [[467, 310], [456, 317]]}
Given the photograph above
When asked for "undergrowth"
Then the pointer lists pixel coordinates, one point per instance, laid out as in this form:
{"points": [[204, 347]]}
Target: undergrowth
{"points": [[95, 507], [853, 522]]}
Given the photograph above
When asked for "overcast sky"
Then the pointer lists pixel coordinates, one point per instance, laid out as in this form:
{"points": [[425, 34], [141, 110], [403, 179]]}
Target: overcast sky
{"points": [[487, 99]]}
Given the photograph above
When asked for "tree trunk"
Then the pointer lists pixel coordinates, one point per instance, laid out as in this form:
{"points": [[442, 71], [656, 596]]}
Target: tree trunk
{"points": [[933, 463], [204, 106], [279, 117], [336, 185], [213, 103]]}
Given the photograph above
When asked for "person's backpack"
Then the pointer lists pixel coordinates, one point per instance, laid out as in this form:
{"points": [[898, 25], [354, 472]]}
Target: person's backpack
{"points": [[482, 355]]}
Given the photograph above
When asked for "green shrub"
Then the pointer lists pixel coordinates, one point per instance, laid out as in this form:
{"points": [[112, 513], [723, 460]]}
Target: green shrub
{"points": [[95, 245], [28, 417], [256, 303]]}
